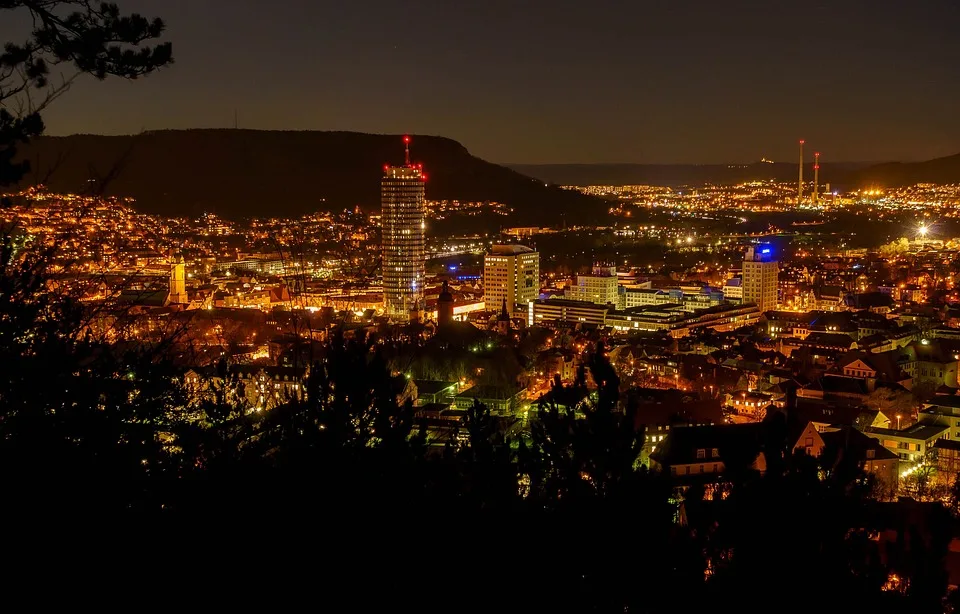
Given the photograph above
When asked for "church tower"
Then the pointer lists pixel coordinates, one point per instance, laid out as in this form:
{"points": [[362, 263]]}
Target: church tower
{"points": [[445, 306], [503, 320], [178, 282]]}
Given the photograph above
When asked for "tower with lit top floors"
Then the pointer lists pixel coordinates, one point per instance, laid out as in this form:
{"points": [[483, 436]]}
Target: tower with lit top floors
{"points": [[402, 199]]}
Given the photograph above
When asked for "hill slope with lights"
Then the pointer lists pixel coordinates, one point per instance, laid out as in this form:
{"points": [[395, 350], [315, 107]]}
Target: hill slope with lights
{"points": [[252, 173]]}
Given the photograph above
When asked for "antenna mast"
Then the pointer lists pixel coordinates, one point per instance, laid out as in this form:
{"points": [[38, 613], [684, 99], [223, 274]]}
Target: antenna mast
{"points": [[800, 182], [816, 178], [406, 149]]}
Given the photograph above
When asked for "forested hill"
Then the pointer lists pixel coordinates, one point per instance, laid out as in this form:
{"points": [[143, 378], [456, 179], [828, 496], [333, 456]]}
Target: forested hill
{"points": [[944, 170], [240, 173], [844, 175]]}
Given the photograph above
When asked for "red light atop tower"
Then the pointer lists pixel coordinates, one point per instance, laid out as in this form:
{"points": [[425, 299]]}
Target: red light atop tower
{"points": [[406, 149], [802, 141], [406, 139]]}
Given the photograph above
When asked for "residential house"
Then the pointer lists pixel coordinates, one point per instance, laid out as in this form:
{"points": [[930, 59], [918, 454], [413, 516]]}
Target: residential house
{"points": [[657, 411], [848, 445], [810, 441], [825, 347], [432, 392], [706, 453], [262, 387], [404, 389], [944, 411], [829, 298], [931, 362], [752, 404], [500, 400], [911, 444], [837, 389], [836, 323], [443, 423], [826, 416], [788, 323], [948, 458], [874, 302]]}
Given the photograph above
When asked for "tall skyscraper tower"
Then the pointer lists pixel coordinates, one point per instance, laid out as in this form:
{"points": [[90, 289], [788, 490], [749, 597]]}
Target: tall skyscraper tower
{"points": [[403, 224], [511, 273], [760, 276]]}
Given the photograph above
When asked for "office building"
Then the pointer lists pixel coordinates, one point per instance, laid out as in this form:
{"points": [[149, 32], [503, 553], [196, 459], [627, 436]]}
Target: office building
{"points": [[599, 287], [760, 275], [733, 290], [672, 319], [563, 310], [511, 273], [691, 299], [403, 225]]}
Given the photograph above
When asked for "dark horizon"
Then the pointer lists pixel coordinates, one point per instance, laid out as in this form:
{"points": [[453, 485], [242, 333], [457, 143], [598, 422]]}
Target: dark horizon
{"points": [[695, 82]]}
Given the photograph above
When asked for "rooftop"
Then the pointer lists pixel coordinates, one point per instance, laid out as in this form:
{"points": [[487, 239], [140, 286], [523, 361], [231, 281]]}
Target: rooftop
{"points": [[432, 387], [488, 392], [924, 432], [946, 444], [952, 402], [510, 250]]}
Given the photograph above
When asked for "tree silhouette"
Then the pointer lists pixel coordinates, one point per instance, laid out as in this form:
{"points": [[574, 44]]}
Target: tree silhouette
{"points": [[87, 37], [78, 421]]}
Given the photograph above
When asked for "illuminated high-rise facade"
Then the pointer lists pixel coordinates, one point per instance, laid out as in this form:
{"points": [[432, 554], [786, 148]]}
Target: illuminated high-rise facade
{"points": [[511, 273], [760, 275], [403, 224]]}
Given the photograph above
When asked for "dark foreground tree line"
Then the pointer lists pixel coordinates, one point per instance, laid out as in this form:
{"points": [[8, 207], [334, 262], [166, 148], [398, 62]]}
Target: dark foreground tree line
{"points": [[560, 517]]}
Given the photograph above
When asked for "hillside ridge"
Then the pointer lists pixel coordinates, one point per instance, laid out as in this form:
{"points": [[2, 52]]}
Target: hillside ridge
{"points": [[241, 173]]}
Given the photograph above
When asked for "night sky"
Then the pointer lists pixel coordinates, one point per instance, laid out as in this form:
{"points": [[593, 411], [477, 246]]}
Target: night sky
{"points": [[560, 80]]}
